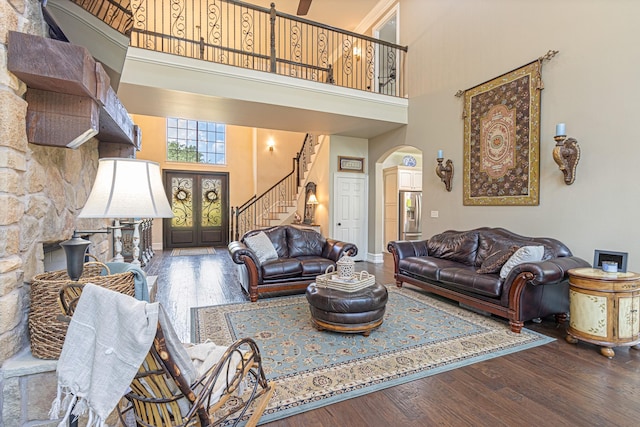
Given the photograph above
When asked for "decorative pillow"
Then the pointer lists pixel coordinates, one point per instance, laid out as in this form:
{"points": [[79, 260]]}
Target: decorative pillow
{"points": [[494, 262], [262, 246], [524, 254]]}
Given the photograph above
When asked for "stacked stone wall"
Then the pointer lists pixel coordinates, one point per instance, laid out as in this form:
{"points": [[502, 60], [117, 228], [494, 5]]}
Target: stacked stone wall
{"points": [[42, 190]]}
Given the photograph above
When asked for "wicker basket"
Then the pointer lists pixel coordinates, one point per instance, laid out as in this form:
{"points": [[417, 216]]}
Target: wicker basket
{"points": [[47, 333]]}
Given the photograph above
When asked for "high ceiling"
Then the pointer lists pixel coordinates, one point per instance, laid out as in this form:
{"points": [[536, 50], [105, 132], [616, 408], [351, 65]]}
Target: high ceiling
{"points": [[344, 14]]}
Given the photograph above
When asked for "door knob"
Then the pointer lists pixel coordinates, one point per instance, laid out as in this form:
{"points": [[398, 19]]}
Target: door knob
{"points": [[339, 223]]}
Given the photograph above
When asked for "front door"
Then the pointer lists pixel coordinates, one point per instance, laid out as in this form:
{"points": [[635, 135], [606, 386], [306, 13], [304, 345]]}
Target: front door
{"points": [[350, 211], [200, 204]]}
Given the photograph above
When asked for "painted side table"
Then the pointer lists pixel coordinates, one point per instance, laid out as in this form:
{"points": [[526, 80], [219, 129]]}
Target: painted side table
{"points": [[604, 309]]}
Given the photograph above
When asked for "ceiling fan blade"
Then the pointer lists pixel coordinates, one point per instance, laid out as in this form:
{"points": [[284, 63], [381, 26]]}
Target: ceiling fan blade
{"points": [[303, 7]]}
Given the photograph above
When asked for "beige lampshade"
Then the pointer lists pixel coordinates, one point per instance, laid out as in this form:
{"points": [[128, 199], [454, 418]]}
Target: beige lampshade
{"points": [[312, 199], [127, 188]]}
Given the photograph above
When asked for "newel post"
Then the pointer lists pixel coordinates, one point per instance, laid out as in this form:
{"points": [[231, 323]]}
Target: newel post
{"points": [[272, 19]]}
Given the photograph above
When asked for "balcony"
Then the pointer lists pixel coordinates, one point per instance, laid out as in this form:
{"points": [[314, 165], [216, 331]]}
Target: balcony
{"points": [[241, 64]]}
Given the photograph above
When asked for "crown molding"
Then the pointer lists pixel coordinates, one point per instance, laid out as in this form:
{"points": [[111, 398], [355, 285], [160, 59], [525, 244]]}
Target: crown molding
{"points": [[376, 13]]}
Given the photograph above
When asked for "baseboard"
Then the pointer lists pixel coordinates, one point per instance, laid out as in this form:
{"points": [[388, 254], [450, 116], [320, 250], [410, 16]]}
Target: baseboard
{"points": [[375, 258], [156, 246]]}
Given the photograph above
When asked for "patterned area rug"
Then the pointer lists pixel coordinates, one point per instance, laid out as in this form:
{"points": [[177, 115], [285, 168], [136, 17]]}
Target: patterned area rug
{"points": [[420, 336], [192, 251]]}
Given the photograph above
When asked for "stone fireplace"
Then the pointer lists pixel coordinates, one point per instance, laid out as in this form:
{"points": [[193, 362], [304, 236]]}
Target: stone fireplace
{"points": [[42, 190]]}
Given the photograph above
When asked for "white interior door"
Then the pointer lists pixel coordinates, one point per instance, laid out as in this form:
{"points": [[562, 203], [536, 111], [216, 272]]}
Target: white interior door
{"points": [[350, 211]]}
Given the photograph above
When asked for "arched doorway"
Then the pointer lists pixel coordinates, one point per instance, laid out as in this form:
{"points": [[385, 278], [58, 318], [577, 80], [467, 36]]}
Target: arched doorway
{"points": [[399, 195]]}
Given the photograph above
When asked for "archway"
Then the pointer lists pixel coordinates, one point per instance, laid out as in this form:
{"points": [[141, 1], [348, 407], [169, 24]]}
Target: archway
{"points": [[403, 158]]}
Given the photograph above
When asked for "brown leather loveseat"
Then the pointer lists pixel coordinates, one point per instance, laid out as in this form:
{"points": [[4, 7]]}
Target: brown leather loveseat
{"points": [[302, 254], [453, 264]]}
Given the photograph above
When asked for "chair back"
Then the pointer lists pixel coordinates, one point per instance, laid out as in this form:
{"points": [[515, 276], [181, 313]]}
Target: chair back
{"points": [[161, 396]]}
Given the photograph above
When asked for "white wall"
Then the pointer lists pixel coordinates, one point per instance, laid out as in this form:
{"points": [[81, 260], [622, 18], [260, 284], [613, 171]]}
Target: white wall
{"points": [[591, 85]]}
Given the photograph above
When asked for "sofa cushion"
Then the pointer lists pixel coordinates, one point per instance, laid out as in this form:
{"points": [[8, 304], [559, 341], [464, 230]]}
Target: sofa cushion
{"points": [[524, 254], [304, 242], [425, 266], [489, 243], [459, 246], [262, 246], [494, 262], [465, 277], [278, 236], [281, 268], [314, 265], [491, 240]]}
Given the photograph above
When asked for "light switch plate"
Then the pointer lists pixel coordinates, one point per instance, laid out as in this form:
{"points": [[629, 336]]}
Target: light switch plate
{"points": [[435, 214]]}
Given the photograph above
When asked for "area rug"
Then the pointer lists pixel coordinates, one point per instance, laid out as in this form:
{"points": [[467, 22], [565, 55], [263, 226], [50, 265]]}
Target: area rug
{"points": [[192, 251], [420, 336]]}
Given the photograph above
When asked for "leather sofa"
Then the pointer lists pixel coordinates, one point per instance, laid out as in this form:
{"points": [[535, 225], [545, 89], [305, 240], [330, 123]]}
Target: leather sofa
{"points": [[447, 264], [302, 253]]}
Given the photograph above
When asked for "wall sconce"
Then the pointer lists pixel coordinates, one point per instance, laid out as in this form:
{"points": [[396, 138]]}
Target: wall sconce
{"points": [[357, 53], [445, 173], [270, 144], [566, 154], [310, 203]]}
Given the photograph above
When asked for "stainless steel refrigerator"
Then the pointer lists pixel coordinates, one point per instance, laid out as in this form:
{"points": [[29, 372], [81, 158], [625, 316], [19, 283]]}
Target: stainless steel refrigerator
{"points": [[409, 217]]}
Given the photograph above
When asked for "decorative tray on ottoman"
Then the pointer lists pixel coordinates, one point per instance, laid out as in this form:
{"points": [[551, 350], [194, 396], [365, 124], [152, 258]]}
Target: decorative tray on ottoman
{"points": [[352, 284]]}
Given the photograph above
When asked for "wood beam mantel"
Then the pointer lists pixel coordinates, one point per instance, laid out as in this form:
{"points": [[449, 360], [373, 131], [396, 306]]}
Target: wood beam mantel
{"points": [[69, 94]]}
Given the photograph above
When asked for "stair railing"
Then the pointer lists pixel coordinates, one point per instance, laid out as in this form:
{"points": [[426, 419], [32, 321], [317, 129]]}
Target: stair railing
{"points": [[258, 211]]}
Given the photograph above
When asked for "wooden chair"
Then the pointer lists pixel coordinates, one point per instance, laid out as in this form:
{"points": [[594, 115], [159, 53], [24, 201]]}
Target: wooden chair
{"points": [[161, 396]]}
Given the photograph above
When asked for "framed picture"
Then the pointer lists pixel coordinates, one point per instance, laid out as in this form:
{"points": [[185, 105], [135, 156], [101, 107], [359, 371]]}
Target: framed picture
{"points": [[619, 258], [350, 164], [502, 139]]}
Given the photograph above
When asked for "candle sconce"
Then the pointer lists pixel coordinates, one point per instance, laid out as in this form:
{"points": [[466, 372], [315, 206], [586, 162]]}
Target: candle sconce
{"points": [[566, 154], [445, 172]]}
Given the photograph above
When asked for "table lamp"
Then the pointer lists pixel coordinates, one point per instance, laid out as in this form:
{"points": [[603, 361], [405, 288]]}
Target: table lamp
{"points": [[124, 188], [312, 202]]}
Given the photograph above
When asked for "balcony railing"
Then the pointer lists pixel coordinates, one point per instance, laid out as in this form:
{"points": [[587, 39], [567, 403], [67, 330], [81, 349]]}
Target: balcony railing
{"points": [[248, 36]]}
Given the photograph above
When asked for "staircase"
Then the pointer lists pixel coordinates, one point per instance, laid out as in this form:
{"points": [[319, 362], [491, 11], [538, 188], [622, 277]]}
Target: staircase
{"points": [[278, 203]]}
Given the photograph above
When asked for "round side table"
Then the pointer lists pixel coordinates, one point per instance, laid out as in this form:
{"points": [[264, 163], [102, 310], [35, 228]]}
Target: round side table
{"points": [[604, 309]]}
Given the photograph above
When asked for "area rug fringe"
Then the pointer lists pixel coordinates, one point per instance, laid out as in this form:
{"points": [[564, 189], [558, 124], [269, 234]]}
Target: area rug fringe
{"points": [[420, 336]]}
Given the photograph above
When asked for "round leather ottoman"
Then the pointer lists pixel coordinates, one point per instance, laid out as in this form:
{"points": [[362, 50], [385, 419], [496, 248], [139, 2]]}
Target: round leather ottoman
{"points": [[351, 312]]}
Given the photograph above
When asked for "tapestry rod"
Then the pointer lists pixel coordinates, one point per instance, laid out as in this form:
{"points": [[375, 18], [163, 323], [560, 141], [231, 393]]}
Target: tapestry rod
{"points": [[547, 56]]}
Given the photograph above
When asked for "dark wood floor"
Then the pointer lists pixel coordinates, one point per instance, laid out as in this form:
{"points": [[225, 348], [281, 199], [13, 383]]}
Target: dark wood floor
{"points": [[555, 384]]}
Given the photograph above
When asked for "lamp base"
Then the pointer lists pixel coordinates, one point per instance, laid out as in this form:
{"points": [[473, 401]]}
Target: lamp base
{"points": [[74, 249], [136, 243]]}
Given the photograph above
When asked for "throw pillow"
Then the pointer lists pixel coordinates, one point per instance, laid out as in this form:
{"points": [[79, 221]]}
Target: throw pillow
{"points": [[524, 254], [262, 246], [494, 262]]}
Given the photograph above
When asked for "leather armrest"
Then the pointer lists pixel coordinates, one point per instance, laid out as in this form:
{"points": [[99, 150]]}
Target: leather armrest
{"points": [[239, 251], [408, 248], [334, 249], [549, 271]]}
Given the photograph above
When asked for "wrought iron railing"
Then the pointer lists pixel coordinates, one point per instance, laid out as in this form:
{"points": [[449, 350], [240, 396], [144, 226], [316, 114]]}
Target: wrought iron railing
{"points": [[244, 35], [115, 13], [258, 211]]}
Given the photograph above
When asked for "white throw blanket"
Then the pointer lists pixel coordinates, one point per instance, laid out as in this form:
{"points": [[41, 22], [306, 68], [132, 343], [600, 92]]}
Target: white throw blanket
{"points": [[108, 338]]}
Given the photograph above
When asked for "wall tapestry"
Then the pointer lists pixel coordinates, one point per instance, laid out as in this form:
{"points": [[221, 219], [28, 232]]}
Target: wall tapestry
{"points": [[502, 138]]}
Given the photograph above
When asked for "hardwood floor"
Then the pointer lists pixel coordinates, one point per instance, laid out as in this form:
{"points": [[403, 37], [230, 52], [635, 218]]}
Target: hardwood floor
{"points": [[555, 384]]}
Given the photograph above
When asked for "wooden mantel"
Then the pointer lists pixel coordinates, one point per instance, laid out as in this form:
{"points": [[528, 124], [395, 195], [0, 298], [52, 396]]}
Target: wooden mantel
{"points": [[69, 96]]}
